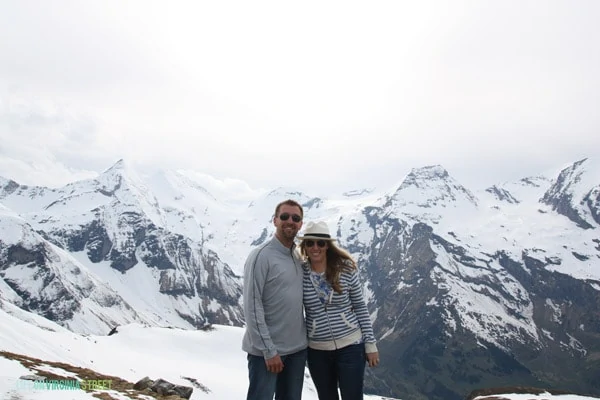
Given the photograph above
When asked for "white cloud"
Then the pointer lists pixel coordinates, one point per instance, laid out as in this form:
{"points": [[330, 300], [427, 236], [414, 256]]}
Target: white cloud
{"points": [[327, 95]]}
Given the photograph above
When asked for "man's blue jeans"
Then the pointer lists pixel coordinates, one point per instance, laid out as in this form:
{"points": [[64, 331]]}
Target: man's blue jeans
{"points": [[344, 367], [286, 385]]}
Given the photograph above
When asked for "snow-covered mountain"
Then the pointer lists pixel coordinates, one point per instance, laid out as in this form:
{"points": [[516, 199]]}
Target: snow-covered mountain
{"points": [[113, 230], [466, 289]]}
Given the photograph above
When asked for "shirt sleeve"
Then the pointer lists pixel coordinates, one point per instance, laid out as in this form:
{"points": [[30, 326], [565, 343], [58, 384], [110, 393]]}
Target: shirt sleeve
{"points": [[362, 313], [255, 276]]}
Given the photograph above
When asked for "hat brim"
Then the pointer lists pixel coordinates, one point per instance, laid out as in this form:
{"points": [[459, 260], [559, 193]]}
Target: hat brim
{"points": [[315, 238]]}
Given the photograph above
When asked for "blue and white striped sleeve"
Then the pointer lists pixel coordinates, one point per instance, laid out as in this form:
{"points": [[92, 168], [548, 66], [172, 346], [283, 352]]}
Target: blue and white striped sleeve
{"points": [[362, 313]]}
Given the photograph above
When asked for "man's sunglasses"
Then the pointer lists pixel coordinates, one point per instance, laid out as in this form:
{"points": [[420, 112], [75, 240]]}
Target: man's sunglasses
{"points": [[311, 243], [286, 216]]}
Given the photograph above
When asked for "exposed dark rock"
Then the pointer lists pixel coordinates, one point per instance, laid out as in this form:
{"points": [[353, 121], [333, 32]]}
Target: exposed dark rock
{"points": [[166, 388], [561, 199], [122, 261], [20, 255], [580, 257], [143, 383], [313, 203], [39, 302], [261, 239], [92, 237], [592, 200], [159, 247], [502, 194], [109, 192], [8, 188]]}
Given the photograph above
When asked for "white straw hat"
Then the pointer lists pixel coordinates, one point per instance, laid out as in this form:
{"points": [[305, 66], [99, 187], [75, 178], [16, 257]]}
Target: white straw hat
{"points": [[316, 230]]}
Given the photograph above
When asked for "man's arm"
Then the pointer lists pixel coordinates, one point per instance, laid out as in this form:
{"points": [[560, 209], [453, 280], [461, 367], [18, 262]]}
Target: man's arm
{"points": [[255, 276]]}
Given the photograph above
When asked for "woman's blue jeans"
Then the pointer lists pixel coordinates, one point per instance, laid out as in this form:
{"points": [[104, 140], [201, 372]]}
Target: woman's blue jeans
{"points": [[286, 385], [344, 367]]}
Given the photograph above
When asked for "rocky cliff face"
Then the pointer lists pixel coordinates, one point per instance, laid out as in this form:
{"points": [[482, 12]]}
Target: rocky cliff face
{"points": [[43, 278], [576, 195], [450, 320]]}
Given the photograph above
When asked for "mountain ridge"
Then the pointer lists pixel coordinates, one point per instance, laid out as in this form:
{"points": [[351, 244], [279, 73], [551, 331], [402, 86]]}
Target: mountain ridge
{"points": [[450, 275]]}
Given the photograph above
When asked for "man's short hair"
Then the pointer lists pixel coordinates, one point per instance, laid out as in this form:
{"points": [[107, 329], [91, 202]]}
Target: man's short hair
{"points": [[289, 202]]}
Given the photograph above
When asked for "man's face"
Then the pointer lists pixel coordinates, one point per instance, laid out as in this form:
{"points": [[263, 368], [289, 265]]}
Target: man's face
{"points": [[287, 228]]}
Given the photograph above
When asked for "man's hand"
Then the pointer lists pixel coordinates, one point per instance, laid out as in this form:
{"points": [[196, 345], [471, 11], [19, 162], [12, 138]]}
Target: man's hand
{"points": [[373, 359], [274, 365]]}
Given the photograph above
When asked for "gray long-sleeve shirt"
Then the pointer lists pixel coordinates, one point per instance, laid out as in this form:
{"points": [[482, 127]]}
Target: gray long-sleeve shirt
{"points": [[273, 302]]}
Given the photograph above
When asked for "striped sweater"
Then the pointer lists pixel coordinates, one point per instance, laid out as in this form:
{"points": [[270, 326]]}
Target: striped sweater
{"points": [[342, 320]]}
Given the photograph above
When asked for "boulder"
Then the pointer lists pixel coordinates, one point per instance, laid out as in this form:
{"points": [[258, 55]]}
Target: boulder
{"points": [[163, 387]]}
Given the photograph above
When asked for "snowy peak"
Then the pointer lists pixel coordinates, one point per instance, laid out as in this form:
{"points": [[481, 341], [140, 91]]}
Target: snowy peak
{"points": [[111, 180], [427, 173], [576, 194], [436, 184], [122, 182], [119, 174], [430, 193]]}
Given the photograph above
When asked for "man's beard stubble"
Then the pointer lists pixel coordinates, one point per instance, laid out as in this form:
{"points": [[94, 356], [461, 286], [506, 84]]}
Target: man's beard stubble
{"points": [[287, 233]]}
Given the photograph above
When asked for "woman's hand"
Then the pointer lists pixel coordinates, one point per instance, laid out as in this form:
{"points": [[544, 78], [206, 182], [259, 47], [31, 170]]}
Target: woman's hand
{"points": [[373, 359]]}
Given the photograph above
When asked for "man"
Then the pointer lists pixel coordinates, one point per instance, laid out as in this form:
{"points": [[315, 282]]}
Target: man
{"points": [[275, 337]]}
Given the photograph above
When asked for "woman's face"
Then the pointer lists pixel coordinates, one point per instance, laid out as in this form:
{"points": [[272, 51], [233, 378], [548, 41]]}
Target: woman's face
{"points": [[316, 250]]}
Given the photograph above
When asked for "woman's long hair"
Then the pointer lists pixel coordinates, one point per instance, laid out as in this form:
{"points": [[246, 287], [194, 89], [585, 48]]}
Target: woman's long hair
{"points": [[338, 260]]}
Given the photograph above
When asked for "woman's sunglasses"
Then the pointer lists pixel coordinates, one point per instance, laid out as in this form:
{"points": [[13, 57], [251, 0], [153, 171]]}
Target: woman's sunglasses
{"points": [[311, 243], [286, 216]]}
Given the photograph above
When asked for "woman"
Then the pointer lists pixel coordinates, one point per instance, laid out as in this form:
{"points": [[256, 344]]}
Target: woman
{"points": [[340, 334]]}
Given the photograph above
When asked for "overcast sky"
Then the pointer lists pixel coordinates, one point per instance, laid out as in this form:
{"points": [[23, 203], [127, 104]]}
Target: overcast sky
{"points": [[318, 95]]}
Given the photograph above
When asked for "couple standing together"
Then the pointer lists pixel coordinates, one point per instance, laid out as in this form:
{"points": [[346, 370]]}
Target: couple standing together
{"points": [[336, 338]]}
